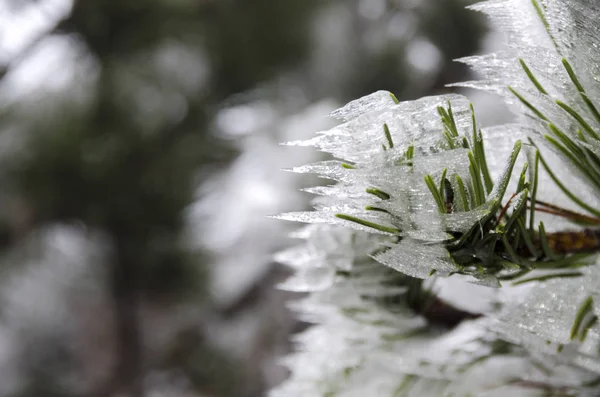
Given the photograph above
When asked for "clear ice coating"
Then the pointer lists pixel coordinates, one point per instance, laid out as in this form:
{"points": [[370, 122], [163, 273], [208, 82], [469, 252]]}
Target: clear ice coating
{"points": [[568, 34], [360, 138], [371, 103], [362, 348], [377, 184], [359, 346], [417, 260]]}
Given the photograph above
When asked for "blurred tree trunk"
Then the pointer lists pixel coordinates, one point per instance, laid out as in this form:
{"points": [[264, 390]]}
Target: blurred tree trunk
{"points": [[127, 377]]}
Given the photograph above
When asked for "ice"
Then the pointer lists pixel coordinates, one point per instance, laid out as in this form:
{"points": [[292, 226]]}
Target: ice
{"points": [[456, 161], [340, 191], [575, 28], [541, 316], [371, 103], [464, 221], [572, 178], [573, 34], [326, 169], [413, 208], [358, 345], [408, 209], [494, 69], [499, 143], [517, 20], [549, 309], [327, 247], [309, 280], [416, 123], [502, 183], [328, 215], [417, 260], [296, 257]]}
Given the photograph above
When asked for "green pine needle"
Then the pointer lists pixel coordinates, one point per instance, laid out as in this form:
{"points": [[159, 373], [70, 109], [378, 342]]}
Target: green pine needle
{"points": [[540, 13], [564, 189], [379, 193], [547, 277], [462, 193], [572, 75], [544, 243], [370, 224], [438, 197], [585, 308], [527, 104], [581, 90], [532, 77], [388, 136], [579, 119]]}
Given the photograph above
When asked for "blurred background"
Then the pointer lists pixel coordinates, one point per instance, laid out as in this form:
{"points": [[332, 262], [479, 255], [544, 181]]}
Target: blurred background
{"points": [[140, 157]]}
